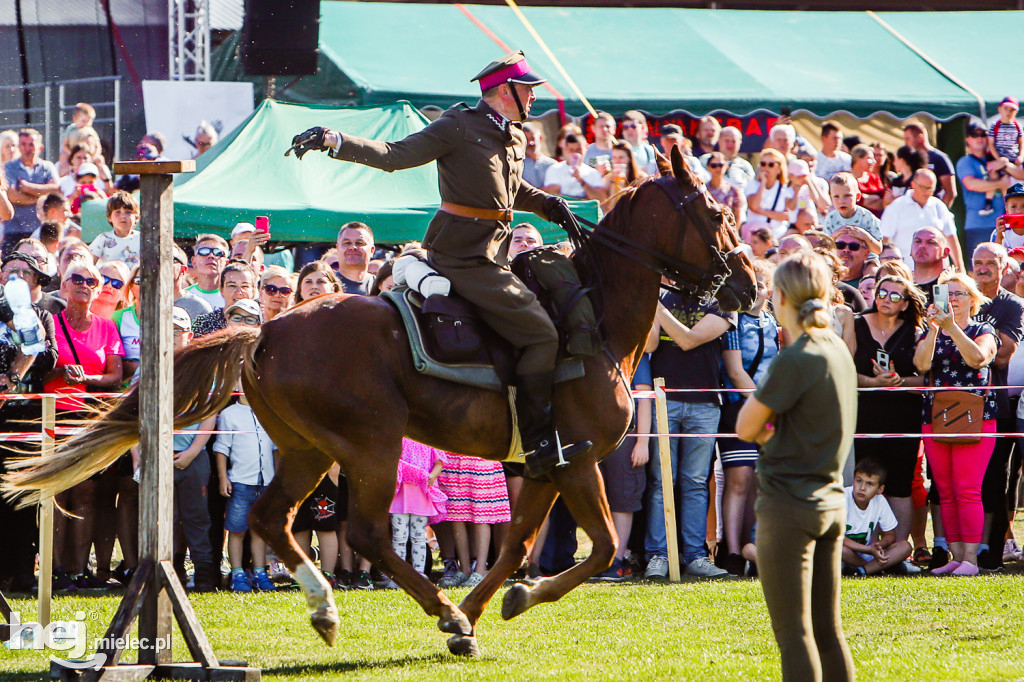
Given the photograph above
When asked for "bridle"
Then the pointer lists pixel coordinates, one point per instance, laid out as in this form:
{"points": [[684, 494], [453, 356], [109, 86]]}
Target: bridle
{"points": [[688, 279]]}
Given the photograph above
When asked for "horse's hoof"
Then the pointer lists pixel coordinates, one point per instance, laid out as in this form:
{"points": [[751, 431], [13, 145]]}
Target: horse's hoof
{"points": [[463, 645], [516, 600], [455, 624], [325, 621]]}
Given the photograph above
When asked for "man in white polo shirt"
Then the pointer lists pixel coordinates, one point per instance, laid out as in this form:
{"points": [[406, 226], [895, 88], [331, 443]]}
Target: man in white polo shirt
{"points": [[919, 208]]}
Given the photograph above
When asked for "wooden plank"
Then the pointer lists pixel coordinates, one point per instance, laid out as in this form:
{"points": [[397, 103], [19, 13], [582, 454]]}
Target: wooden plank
{"points": [[5, 632], [5, 608], [156, 409], [154, 167], [45, 587], [192, 631], [668, 488], [115, 673], [233, 674], [131, 604]]}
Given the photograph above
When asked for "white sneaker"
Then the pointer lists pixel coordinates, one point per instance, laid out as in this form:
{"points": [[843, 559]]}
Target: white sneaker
{"points": [[473, 580], [657, 567], [703, 568], [1011, 552], [911, 568]]}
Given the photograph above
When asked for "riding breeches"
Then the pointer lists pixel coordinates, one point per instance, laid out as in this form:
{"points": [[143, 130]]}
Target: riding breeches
{"points": [[507, 306]]}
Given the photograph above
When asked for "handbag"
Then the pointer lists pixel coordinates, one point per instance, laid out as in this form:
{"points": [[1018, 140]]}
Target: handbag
{"points": [[960, 414]]}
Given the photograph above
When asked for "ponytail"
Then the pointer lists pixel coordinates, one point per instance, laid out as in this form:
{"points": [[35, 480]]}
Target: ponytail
{"points": [[814, 314]]}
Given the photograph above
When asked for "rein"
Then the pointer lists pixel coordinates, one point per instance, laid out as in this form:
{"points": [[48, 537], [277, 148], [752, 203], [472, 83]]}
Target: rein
{"points": [[708, 281]]}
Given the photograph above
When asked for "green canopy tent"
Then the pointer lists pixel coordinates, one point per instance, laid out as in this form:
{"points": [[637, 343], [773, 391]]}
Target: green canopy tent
{"points": [[660, 60], [246, 174]]}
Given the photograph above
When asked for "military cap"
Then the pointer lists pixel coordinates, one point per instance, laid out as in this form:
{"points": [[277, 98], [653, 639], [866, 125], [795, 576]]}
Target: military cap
{"points": [[511, 67]]}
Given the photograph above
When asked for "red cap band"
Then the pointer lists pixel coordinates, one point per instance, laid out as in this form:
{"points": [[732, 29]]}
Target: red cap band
{"points": [[499, 77]]}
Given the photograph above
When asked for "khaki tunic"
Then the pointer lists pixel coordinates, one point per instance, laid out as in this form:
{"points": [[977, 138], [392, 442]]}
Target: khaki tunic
{"points": [[480, 164]]}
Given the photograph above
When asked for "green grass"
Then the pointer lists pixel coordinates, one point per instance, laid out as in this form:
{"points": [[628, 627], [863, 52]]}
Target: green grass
{"points": [[898, 629]]}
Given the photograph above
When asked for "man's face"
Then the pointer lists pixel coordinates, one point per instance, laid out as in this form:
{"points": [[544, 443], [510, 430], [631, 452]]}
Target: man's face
{"points": [[929, 247], [728, 143], [830, 140], [526, 97], [29, 146], [788, 246], [707, 131], [182, 337], [604, 129], [123, 220], [843, 197], [534, 143], [912, 138], [20, 269], [355, 246], [523, 239], [571, 148], [69, 256], [61, 213], [923, 188], [634, 131], [780, 141], [987, 267], [866, 487], [212, 259], [203, 142], [236, 286], [1015, 205], [805, 220], [977, 142], [852, 252], [888, 254]]}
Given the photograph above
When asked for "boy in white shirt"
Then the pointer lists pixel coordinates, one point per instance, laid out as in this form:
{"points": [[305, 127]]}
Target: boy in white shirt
{"points": [[123, 242], [844, 192], [870, 545]]}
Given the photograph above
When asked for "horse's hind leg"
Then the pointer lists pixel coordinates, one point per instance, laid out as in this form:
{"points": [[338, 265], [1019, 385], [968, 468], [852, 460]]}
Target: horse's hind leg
{"points": [[271, 517], [582, 489]]}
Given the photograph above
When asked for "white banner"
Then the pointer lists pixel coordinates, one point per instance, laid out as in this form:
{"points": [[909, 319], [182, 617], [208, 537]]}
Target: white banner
{"points": [[176, 108]]}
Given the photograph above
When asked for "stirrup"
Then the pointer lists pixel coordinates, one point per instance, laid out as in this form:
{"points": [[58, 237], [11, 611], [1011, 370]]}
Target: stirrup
{"points": [[537, 468]]}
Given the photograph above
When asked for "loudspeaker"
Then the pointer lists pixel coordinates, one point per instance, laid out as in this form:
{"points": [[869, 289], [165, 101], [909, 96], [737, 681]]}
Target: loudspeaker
{"points": [[280, 37]]}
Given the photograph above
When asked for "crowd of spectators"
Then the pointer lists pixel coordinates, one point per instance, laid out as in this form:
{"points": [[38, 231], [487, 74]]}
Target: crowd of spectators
{"points": [[880, 221]]}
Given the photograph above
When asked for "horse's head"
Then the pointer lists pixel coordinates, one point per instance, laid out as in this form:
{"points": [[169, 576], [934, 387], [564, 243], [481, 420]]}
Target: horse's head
{"points": [[715, 224]]}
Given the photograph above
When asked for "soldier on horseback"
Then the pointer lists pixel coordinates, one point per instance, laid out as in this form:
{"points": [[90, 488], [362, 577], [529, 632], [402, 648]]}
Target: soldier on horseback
{"points": [[480, 153]]}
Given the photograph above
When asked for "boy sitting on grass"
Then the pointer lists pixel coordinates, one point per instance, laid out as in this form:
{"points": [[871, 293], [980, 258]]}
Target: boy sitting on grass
{"points": [[870, 545]]}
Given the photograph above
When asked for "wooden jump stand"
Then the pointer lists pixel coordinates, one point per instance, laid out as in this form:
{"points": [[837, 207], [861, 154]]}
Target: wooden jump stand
{"points": [[155, 594]]}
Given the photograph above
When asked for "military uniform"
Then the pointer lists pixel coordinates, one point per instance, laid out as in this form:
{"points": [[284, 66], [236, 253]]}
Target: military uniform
{"points": [[479, 156]]}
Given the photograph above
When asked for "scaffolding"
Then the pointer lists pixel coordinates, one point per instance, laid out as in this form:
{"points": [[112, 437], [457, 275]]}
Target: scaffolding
{"points": [[188, 40]]}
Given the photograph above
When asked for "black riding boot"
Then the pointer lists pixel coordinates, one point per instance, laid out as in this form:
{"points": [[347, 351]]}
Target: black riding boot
{"points": [[540, 439]]}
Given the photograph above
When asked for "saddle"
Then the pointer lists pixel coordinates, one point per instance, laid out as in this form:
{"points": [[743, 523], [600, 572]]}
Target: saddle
{"points": [[450, 341]]}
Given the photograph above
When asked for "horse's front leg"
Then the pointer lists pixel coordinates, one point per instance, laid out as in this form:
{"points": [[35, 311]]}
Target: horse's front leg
{"points": [[534, 503], [582, 489]]}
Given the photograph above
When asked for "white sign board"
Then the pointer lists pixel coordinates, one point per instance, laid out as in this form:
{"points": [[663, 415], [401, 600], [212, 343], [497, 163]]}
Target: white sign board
{"points": [[176, 108]]}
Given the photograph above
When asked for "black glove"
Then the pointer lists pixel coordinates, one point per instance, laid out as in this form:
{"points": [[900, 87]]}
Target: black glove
{"points": [[6, 314], [558, 211], [311, 140]]}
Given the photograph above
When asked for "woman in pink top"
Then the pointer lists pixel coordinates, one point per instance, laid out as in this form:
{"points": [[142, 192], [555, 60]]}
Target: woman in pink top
{"points": [[89, 357], [418, 501]]}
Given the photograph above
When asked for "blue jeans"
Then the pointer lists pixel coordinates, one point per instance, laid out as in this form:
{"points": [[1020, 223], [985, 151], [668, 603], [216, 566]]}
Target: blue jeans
{"points": [[691, 464]]}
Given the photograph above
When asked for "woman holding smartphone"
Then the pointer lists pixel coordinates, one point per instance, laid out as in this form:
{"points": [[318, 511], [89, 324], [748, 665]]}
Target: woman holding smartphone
{"points": [[883, 351], [803, 413], [957, 351]]}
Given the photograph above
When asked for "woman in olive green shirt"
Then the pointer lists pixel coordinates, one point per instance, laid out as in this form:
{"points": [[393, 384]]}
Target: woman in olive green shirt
{"points": [[804, 414]]}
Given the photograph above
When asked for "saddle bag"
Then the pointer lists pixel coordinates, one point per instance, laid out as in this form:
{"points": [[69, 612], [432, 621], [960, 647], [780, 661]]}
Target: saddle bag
{"points": [[553, 278], [453, 329]]}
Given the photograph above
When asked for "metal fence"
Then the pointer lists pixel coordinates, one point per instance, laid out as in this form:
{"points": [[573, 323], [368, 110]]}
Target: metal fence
{"points": [[50, 105]]}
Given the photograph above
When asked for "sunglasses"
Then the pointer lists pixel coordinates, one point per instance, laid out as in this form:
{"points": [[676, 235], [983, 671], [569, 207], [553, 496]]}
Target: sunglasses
{"points": [[716, 165], [275, 290], [627, 126], [250, 320], [892, 296], [210, 251], [978, 134], [115, 283], [767, 164], [79, 280], [848, 246]]}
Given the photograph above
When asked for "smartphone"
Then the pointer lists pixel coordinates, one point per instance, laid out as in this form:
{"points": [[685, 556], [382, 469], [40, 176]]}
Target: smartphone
{"points": [[785, 110], [1013, 222], [940, 295], [262, 223], [882, 358]]}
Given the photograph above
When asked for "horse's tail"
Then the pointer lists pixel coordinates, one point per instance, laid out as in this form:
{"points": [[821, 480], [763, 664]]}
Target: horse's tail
{"points": [[205, 375]]}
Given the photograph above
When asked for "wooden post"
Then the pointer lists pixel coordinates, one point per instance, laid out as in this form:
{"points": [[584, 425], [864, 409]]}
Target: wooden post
{"points": [[668, 488], [154, 595], [46, 518]]}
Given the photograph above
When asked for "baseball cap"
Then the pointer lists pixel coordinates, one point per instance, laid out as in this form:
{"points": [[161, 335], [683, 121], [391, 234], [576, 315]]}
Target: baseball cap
{"points": [[974, 127], [242, 228], [246, 306], [1016, 190], [87, 168], [670, 129], [1012, 101], [799, 167], [182, 320]]}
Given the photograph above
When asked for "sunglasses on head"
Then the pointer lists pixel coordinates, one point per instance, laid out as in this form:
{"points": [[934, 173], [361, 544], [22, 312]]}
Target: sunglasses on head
{"points": [[79, 280], [893, 296], [210, 251], [849, 246], [250, 320], [116, 283], [274, 290], [767, 164]]}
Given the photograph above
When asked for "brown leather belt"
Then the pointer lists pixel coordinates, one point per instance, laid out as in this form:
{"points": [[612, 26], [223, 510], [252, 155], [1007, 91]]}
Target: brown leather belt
{"points": [[504, 216]]}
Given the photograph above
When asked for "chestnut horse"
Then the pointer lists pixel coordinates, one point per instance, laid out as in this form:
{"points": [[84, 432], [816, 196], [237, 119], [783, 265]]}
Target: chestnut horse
{"points": [[333, 381]]}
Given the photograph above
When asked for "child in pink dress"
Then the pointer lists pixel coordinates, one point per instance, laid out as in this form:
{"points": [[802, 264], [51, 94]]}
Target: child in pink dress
{"points": [[418, 501]]}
